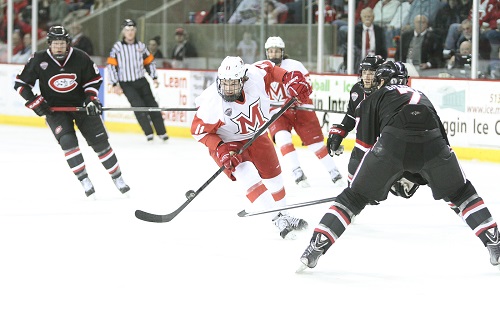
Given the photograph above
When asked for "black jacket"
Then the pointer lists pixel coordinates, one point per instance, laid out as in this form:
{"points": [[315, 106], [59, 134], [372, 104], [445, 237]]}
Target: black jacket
{"points": [[432, 50]]}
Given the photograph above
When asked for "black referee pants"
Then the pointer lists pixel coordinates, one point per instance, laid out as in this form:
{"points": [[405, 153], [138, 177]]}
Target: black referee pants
{"points": [[139, 94]]}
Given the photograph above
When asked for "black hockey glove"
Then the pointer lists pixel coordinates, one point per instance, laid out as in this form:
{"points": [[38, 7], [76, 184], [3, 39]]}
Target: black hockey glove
{"points": [[93, 106], [404, 188], [335, 136], [39, 106]]}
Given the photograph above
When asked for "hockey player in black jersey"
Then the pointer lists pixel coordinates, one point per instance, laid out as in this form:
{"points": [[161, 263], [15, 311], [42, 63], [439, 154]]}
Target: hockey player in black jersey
{"points": [[68, 77], [402, 133], [358, 93]]}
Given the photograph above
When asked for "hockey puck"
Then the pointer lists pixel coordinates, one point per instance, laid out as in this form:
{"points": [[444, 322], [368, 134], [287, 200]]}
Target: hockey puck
{"points": [[190, 194]]}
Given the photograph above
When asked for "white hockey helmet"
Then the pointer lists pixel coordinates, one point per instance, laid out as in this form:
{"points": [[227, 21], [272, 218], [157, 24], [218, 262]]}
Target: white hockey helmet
{"points": [[230, 77], [275, 42]]}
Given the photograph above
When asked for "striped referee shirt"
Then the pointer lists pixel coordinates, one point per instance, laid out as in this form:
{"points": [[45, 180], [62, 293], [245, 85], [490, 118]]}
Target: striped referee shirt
{"points": [[129, 62]]}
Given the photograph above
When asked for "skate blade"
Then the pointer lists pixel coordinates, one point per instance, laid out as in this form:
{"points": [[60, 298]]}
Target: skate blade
{"points": [[301, 268], [304, 184], [291, 235], [339, 183]]}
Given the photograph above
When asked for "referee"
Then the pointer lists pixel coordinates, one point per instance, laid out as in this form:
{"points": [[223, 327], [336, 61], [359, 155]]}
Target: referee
{"points": [[128, 62]]}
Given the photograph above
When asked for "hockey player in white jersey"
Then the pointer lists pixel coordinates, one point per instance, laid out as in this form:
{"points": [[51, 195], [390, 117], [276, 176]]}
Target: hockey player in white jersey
{"points": [[230, 112], [304, 122]]}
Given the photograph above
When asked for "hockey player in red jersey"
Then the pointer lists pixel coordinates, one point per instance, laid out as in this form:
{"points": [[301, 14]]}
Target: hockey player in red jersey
{"points": [[68, 77], [230, 112], [304, 122], [403, 133]]}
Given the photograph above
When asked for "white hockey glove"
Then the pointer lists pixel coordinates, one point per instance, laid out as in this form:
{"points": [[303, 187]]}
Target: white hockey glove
{"points": [[93, 106], [404, 188]]}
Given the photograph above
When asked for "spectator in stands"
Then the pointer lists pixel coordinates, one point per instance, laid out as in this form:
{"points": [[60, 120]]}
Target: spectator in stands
{"points": [[248, 11], [489, 13], [17, 41], [484, 43], [394, 27], [343, 28], [22, 56], [493, 36], [429, 8], [222, 6], [154, 47], [369, 38], [79, 40], [23, 22], [80, 5], [494, 70], [247, 49], [183, 49], [420, 47], [58, 10], [273, 11], [384, 12], [462, 58], [43, 13], [362, 4], [448, 14]]}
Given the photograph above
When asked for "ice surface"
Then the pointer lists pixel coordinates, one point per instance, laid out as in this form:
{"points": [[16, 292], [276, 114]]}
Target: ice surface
{"points": [[70, 264]]}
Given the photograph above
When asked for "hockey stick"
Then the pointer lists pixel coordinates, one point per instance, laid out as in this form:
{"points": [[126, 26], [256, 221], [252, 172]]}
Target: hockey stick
{"points": [[138, 108], [190, 195], [311, 109], [244, 213]]}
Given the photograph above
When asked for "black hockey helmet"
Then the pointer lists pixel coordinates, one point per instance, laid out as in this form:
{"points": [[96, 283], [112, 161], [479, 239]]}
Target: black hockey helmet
{"points": [[128, 23], [370, 62], [401, 72], [58, 32], [387, 72]]}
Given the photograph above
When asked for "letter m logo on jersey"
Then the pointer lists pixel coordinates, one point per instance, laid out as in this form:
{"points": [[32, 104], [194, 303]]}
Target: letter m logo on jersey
{"points": [[251, 123], [277, 91]]}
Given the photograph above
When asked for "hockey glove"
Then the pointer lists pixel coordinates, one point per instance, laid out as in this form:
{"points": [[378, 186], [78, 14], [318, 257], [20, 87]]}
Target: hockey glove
{"points": [[39, 106], [92, 105], [227, 155], [297, 86], [335, 136], [404, 188]]}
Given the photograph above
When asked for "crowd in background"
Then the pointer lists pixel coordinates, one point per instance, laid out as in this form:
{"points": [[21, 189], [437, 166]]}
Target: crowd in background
{"points": [[429, 34], [50, 13]]}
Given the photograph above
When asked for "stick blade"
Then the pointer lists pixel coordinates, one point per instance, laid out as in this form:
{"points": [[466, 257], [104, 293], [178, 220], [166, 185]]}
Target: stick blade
{"points": [[243, 213], [149, 217]]}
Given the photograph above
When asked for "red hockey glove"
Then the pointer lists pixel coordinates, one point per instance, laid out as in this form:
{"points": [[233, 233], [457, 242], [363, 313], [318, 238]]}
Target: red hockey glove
{"points": [[335, 136], [39, 106], [297, 86], [227, 155], [93, 105]]}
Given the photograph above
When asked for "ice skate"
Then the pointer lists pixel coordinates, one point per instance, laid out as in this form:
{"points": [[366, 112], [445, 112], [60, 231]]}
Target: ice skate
{"points": [[164, 137], [87, 186], [337, 178], [493, 246], [294, 222], [149, 137], [120, 185], [287, 223], [310, 257], [284, 227], [300, 177]]}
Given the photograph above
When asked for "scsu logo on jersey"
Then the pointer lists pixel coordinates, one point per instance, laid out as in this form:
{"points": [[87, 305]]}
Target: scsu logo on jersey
{"points": [[63, 83]]}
